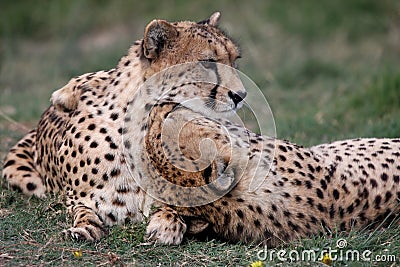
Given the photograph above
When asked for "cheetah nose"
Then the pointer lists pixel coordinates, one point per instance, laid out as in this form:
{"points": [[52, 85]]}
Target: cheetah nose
{"points": [[237, 97]]}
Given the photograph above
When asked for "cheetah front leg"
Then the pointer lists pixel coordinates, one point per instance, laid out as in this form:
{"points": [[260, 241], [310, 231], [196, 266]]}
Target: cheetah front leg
{"points": [[87, 225]]}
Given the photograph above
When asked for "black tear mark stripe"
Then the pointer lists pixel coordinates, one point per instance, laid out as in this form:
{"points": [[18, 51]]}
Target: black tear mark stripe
{"points": [[213, 92], [213, 66]]}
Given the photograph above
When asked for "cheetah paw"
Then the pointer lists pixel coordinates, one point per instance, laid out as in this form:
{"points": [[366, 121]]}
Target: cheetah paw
{"points": [[89, 233], [164, 229]]}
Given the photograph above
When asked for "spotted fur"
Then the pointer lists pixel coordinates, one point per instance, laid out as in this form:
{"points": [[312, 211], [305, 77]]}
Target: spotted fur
{"points": [[340, 186]]}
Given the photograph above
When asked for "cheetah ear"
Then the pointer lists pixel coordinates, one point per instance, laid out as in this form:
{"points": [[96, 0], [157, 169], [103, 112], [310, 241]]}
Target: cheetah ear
{"points": [[213, 20], [156, 35], [65, 99]]}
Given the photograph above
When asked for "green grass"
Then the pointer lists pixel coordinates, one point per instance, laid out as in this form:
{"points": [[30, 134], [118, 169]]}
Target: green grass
{"points": [[329, 69], [31, 234]]}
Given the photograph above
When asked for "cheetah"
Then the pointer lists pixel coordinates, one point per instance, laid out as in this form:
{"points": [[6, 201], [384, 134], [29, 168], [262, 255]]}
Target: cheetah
{"points": [[346, 184], [340, 186], [77, 149], [343, 185]]}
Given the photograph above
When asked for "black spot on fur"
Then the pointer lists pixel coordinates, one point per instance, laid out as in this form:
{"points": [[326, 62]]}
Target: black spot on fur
{"points": [[320, 194], [343, 226], [321, 208], [310, 201], [93, 144], [239, 214], [9, 163], [91, 127], [282, 148], [377, 201], [259, 210], [114, 116], [282, 158], [122, 130], [287, 213], [297, 164], [22, 156], [31, 186], [336, 194], [388, 195], [350, 209], [109, 157], [115, 172], [24, 168], [323, 184]]}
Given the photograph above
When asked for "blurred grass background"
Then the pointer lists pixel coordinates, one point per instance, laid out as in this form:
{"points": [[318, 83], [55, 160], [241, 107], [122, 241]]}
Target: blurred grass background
{"points": [[329, 70]]}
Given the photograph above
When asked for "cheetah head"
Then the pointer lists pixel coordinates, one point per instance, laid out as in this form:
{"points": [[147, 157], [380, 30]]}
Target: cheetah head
{"points": [[166, 44], [198, 63]]}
